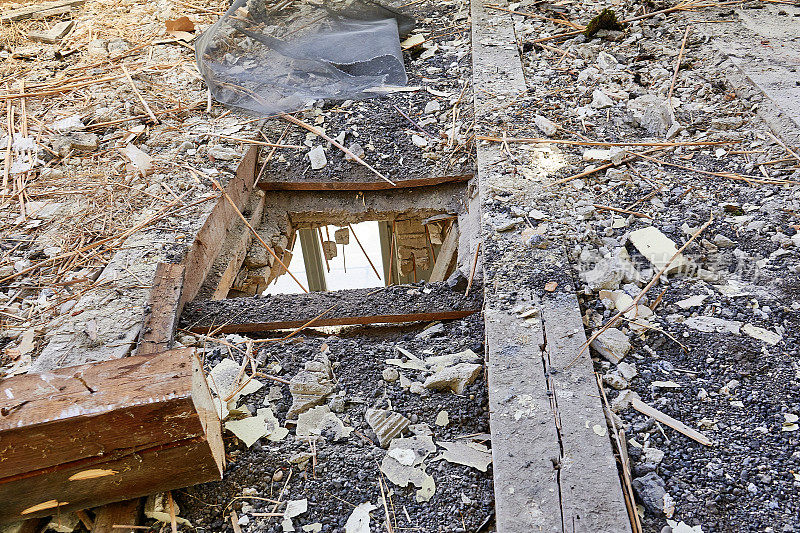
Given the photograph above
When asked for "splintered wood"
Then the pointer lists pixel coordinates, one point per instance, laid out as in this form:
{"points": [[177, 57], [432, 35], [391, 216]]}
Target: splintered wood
{"points": [[145, 424]]}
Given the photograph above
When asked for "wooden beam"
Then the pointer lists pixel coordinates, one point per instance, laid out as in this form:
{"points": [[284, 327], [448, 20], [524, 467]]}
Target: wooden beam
{"points": [[211, 238], [226, 266], [161, 315], [394, 304], [84, 436], [447, 255], [125, 513], [278, 185]]}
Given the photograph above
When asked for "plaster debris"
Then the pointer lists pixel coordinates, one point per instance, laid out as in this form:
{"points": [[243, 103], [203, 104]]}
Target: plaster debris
{"points": [[454, 378], [657, 248], [547, 126], [442, 419], [317, 158], [322, 422], [311, 386], [711, 324], [358, 521], [471, 454], [402, 464], [765, 335], [692, 301], [386, 424]]}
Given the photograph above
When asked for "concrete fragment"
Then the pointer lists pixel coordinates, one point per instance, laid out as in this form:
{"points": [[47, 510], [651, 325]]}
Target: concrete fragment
{"points": [[342, 236], [442, 419], [657, 248], [317, 158], [438, 362], [547, 126], [219, 152], [612, 344], [765, 335], [471, 454], [652, 113], [601, 100], [402, 463], [83, 142], [433, 107], [712, 324], [692, 301], [428, 489], [419, 141], [322, 422], [651, 490], [311, 386], [623, 400], [454, 378], [386, 424]]}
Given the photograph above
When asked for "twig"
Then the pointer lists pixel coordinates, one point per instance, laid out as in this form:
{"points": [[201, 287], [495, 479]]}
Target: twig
{"points": [[139, 95], [414, 122], [173, 521], [777, 140], [646, 288], [474, 266], [253, 141], [337, 144], [624, 211], [363, 250], [677, 68], [539, 140], [664, 418]]}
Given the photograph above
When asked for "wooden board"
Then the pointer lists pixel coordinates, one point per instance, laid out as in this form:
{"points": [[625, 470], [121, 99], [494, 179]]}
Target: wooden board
{"points": [[269, 183], [553, 472], [395, 304], [40, 10], [211, 238], [125, 513], [161, 315], [147, 423], [447, 255]]}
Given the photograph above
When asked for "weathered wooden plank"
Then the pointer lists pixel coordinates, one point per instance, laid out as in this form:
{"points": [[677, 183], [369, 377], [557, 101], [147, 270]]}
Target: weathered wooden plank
{"points": [[84, 436], [395, 304], [161, 315], [525, 450], [40, 10], [582, 491], [270, 184], [210, 239], [227, 265], [591, 494], [125, 513], [447, 255]]}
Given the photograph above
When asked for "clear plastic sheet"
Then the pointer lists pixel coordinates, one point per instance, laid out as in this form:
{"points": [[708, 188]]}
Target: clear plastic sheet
{"points": [[277, 56]]}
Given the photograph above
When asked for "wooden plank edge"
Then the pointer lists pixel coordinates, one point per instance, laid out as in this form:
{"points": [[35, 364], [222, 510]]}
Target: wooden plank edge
{"points": [[360, 186], [163, 310], [342, 321]]}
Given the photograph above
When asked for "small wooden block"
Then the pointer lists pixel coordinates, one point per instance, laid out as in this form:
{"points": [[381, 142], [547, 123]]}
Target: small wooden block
{"points": [[84, 436]]}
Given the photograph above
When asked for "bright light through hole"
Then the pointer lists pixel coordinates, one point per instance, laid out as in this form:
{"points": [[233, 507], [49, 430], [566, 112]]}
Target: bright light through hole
{"points": [[350, 269]]}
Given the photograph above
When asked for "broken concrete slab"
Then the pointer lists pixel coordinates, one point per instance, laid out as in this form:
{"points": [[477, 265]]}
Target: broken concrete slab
{"points": [[454, 378]]}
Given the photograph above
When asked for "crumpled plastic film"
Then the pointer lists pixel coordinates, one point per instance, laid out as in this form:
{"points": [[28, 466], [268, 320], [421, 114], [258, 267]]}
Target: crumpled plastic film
{"points": [[269, 57]]}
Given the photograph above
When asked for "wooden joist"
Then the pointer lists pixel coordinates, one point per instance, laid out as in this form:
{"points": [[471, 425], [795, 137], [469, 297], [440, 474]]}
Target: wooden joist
{"points": [[274, 182], [211, 238], [395, 304], [84, 436], [161, 315], [447, 255]]}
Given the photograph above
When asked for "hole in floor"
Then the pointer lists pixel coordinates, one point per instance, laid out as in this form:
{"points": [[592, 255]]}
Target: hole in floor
{"points": [[327, 257]]}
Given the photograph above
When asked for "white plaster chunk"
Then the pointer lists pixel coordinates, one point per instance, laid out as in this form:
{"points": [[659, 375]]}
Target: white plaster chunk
{"points": [[454, 378], [358, 521], [657, 248], [471, 454], [317, 158], [765, 335], [321, 421]]}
